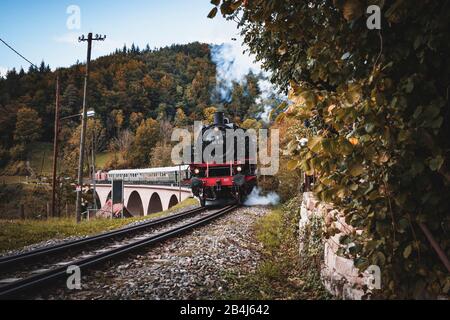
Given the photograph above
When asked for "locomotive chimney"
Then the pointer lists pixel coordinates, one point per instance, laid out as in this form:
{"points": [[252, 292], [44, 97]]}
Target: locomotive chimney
{"points": [[219, 118]]}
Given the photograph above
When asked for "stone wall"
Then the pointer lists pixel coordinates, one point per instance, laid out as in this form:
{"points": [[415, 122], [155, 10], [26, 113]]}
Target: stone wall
{"points": [[339, 274]]}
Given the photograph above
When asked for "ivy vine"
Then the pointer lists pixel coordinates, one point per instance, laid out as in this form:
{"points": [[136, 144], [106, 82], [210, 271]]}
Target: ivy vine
{"points": [[374, 106]]}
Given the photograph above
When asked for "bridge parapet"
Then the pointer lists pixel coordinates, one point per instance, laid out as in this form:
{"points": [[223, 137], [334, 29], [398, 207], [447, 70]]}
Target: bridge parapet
{"points": [[144, 183], [142, 199]]}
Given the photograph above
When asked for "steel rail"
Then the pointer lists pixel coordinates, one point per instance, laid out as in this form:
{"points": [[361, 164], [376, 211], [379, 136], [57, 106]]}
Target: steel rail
{"points": [[13, 290], [9, 262]]}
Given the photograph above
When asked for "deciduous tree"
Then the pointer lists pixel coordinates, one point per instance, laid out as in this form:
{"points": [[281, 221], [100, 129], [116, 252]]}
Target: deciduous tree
{"points": [[28, 126], [147, 135]]}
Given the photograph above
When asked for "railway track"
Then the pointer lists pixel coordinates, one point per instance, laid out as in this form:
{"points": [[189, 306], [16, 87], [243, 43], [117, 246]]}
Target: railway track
{"points": [[14, 261], [58, 271]]}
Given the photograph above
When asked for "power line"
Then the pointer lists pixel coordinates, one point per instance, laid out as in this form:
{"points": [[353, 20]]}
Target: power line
{"points": [[18, 53]]}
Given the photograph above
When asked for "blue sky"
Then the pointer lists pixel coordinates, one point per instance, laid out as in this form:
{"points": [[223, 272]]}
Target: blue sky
{"points": [[38, 29]]}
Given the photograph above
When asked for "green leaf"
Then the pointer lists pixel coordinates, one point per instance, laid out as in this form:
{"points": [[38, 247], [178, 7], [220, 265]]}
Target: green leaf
{"points": [[346, 147], [327, 145], [369, 127], [409, 86], [362, 263], [436, 163], [402, 225], [236, 5], [437, 123], [381, 258], [418, 112], [226, 8], [354, 187], [407, 252], [212, 13], [315, 143], [292, 165], [282, 50], [356, 170]]}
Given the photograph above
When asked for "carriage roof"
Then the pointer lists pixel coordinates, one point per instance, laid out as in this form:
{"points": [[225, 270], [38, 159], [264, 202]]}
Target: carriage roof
{"points": [[150, 170]]}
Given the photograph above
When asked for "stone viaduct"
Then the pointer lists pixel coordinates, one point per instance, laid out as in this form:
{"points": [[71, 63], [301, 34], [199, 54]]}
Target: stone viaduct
{"points": [[142, 200]]}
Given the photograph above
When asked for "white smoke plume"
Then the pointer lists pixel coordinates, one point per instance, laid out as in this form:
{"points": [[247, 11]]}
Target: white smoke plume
{"points": [[257, 199], [3, 72], [233, 64]]}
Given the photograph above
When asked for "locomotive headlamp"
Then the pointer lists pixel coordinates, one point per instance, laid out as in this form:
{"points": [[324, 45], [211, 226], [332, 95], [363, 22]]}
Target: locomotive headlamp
{"points": [[239, 169], [216, 129], [197, 171]]}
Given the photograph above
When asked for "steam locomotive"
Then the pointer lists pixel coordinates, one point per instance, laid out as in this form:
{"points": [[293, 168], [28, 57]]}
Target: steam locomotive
{"points": [[227, 174]]}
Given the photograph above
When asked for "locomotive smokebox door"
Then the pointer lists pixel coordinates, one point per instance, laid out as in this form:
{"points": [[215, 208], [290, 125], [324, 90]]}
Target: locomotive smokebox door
{"points": [[239, 180], [219, 118]]}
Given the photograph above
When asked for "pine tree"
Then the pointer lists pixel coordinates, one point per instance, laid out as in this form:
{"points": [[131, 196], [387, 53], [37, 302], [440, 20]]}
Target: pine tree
{"points": [[70, 101]]}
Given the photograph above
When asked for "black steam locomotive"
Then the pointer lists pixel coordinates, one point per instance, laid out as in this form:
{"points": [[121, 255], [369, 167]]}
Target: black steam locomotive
{"points": [[221, 170]]}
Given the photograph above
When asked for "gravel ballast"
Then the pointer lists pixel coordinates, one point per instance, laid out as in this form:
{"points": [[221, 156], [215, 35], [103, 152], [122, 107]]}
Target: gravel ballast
{"points": [[188, 267]]}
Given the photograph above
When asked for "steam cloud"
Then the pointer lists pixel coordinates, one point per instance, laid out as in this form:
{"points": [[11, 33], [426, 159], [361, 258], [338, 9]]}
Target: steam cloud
{"points": [[3, 72], [257, 199], [232, 66]]}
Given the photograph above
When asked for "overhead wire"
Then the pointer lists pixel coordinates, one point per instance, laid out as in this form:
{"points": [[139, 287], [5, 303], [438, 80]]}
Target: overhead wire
{"points": [[18, 53]]}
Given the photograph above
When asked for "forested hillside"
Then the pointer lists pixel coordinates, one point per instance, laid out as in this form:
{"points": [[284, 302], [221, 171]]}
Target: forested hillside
{"points": [[137, 95]]}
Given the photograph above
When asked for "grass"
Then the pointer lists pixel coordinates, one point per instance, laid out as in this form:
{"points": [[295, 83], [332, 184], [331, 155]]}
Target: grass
{"points": [[12, 179], [281, 272], [15, 234], [103, 158], [41, 158]]}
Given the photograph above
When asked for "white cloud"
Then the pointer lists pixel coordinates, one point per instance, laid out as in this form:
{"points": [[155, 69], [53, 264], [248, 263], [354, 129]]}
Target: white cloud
{"points": [[72, 38], [100, 48], [68, 38]]}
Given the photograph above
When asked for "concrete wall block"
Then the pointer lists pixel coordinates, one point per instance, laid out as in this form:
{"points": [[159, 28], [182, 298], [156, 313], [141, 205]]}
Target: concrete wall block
{"points": [[339, 275], [310, 201], [332, 282], [349, 292], [322, 210], [329, 257], [333, 242], [304, 216], [343, 226], [345, 267]]}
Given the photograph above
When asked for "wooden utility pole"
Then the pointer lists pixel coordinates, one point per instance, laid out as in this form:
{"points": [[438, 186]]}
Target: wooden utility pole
{"points": [[94, 191], [55, 149], [84, 121], [179, 183], [22, 211], [48, 210]]}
